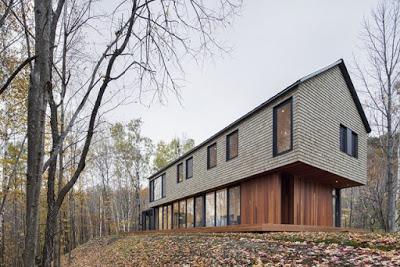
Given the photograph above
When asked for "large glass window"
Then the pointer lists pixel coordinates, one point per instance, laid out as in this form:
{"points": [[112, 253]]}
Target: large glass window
{"points": [[232, 145], [165, 218], [234, 205], [182, 214], [189, 168], [283, 127], [199, 212], [160, 218], [157, 188], [210, 209], [221, 207], [169, 218], [212, 156], [190, 212], [179, 172], [176, 215]]}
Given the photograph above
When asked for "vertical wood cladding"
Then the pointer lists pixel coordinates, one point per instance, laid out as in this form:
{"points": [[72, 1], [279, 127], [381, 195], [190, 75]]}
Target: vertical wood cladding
{"points": [[281, 198], [260, 200], [312, 202]]}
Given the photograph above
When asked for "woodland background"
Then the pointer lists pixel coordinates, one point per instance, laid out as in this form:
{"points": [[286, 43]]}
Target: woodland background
{"points": [[68, 175]]}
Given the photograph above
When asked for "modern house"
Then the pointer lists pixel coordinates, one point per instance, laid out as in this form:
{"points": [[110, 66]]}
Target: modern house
{"points": [[283, 163]]}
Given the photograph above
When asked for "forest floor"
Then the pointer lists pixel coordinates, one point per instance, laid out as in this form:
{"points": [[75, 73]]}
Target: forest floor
{"points": [[240, 249]]}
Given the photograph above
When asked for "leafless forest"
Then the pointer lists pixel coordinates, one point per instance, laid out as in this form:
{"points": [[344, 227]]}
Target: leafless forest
{"points": [[68, 175]]}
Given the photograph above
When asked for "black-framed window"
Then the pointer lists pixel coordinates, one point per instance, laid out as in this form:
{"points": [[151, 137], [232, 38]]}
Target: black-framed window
{"points": [[210, 209], [179, 173], [221, 207], [283, 127], [163, 185], [234, 215], [232, 145], [151, 188], [190, 212], [348, 141], [189, 168], [199, 211], [157, 188], [212, 156]]}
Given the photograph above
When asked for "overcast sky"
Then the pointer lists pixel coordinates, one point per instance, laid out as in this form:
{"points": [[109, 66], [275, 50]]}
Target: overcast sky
{"points": [[274, 44]]}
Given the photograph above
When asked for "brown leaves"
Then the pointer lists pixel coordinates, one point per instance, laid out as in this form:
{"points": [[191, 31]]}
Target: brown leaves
{"points": [[269, 249]]}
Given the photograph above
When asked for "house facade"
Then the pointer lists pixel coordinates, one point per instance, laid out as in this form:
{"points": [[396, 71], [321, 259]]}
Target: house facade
{"points": [[284, 162]]}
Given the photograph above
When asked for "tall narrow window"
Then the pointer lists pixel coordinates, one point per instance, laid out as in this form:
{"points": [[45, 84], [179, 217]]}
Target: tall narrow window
{"points": [[190, 212], [343, 138], [175, 219], [283, 127], [182, 214], [189, 168], [165, 218], [221, 207], [160, 218], [199, 212], [232, 145], [163, 184], [157, 188], [151, 188], [169, 219], [234, 205], [212, 156], [210, 209], [179, 172]]}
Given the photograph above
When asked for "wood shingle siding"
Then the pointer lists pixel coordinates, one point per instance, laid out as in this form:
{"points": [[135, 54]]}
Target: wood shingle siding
{"points": [[320, 104]]}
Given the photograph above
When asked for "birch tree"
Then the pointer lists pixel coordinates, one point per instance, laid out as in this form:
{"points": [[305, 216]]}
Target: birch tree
{"points": [[380, 77]]}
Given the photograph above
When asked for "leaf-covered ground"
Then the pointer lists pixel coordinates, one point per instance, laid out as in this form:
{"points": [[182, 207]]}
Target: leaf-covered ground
{"points": [[268, 249]]}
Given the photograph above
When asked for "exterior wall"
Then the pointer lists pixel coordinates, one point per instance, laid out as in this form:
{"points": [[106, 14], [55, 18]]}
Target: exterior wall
{"points": [[320, 105], [324, 103], [255, 156], [261, 200], [312, 202]]}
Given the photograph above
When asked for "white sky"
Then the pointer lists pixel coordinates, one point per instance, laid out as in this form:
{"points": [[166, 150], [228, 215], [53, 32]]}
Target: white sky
{"points": [[274, 44]]}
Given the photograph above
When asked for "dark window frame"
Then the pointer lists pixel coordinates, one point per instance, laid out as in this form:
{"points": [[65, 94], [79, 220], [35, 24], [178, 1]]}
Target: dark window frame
{"points": [[186, 168], [228, 152], [177, 173], [163, 185], [275, 128], [151, 189], [347, 145], [208, 155], [240, 203]]}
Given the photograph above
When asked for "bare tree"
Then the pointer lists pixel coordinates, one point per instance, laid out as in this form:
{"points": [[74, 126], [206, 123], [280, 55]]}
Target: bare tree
{"points": [[379, 77], [148, 41]]}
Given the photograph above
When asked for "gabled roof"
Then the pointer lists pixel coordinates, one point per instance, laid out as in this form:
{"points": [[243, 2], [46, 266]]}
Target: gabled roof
{"points": [[290, 88]]}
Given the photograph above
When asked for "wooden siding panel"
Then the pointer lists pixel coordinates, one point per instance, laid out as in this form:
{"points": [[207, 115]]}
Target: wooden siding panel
{"points": [[312, 203], [261, 200]]}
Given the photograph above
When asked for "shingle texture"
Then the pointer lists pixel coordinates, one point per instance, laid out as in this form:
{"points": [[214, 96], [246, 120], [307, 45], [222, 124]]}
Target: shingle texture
{"points": [[320, 105]]}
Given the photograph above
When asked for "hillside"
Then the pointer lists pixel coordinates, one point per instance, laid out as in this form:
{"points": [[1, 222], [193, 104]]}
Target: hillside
{"points": [[239, 249]]}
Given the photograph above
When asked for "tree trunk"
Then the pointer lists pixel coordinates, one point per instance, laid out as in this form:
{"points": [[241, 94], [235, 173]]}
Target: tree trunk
{"points": [[51, 226], [37, 101]]}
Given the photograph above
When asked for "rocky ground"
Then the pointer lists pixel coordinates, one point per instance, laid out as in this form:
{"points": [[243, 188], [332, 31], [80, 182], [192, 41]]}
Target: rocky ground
{"points": [[268, 249]]}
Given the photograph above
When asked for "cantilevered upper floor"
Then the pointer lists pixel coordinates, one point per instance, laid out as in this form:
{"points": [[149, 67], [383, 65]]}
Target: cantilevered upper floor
{"points": [[317, 122]]}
